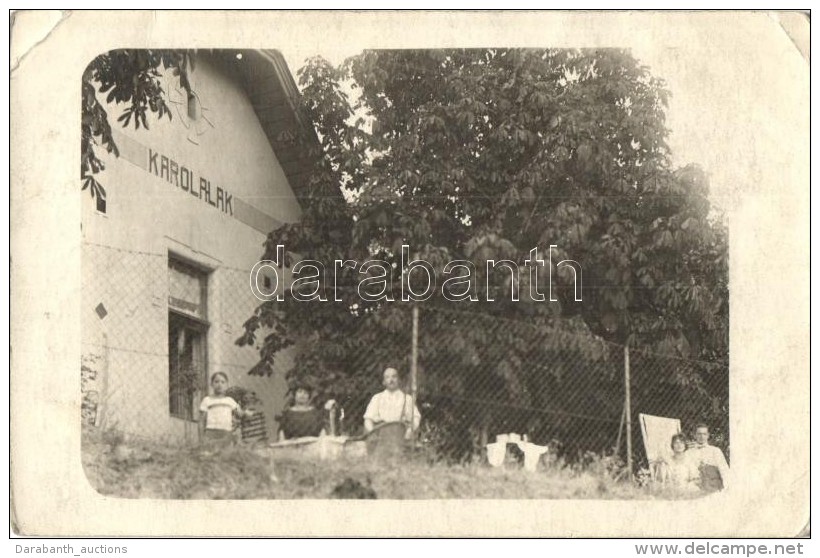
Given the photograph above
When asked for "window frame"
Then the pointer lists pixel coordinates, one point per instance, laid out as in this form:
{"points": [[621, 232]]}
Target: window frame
{"points": [[199, 325]]}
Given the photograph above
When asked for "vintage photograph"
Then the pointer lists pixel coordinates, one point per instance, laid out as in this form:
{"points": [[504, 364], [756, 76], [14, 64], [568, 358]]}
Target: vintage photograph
{"points": [[475, 274], [420, 273]]}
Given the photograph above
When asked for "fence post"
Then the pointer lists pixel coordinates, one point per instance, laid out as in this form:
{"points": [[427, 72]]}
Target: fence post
{"points": [[628, 411], [101, 420], [414, 356]]}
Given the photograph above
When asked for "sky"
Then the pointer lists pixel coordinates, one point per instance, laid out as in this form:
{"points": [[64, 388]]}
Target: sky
{"points": [[726, 73]]}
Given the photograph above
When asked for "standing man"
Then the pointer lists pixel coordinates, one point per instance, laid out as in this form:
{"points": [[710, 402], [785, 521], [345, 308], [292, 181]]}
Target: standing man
{"points": [[714, 471], [392, 405]]}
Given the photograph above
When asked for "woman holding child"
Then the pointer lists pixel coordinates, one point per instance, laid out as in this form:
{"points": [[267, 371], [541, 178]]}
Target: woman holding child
{"points": [[680, 470]]}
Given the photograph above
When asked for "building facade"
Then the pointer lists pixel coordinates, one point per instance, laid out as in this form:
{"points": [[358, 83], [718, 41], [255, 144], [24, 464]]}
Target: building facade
{"points": [[167, 253]]}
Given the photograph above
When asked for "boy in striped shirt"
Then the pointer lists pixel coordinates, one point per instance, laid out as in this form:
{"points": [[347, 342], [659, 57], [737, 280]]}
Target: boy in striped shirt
{"points": [[252, 426]]}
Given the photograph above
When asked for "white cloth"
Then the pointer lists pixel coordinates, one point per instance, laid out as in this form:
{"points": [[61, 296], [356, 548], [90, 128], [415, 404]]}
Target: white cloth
{"points": [[710, 455], [393, 406], [532, 454], [218, 412], [497, 452]]}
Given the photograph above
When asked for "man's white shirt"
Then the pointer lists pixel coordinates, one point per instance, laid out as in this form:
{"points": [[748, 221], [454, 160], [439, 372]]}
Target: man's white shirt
{"points": [[393, 406]]}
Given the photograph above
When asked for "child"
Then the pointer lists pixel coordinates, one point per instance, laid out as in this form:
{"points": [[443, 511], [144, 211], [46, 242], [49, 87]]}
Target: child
{"points": [[252, 425], [217, 412]]}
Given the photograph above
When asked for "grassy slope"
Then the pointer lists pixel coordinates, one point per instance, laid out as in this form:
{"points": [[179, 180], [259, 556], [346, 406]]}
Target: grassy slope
{"points": [[139, 470]]}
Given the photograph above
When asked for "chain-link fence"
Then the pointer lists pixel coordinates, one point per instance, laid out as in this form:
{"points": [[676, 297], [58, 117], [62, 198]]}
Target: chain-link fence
{"points": [[487, 375], [155, 326], [480, 375]]}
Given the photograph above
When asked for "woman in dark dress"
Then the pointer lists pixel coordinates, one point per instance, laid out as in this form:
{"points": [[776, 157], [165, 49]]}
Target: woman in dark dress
{"points": [[302, 418]]}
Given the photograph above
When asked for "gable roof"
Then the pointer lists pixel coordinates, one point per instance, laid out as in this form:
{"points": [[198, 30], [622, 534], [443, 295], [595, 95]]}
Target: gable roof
{"points": [[268, 82]]}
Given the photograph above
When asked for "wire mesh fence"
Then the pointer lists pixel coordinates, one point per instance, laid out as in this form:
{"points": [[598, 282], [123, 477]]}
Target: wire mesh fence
{"points": [[693, 391], [155, 327], [481, 375], [506, 376]]}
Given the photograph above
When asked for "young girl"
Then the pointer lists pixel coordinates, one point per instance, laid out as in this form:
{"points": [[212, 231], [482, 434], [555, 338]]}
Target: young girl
{"points": [[302, 418], [217, 412]]}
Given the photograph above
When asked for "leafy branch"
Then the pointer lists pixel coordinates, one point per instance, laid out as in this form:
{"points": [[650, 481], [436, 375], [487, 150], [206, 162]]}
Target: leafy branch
{"points": [[130, 77]]}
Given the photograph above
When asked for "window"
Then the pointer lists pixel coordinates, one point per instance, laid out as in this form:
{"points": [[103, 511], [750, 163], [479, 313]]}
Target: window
{"points": [[187, 337], [187, 371]]}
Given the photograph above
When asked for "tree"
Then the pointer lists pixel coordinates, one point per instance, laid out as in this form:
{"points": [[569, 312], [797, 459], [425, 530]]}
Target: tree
{"points": [[127, 76], [486, 154]]}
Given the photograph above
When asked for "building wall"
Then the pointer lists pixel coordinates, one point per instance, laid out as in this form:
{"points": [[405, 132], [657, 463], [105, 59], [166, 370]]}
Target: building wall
{"points": [[151, 211]]}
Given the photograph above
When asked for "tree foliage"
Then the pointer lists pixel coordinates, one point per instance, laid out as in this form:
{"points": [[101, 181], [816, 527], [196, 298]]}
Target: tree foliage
{"points": [[131, 77], [477, 155], [487, 154]]}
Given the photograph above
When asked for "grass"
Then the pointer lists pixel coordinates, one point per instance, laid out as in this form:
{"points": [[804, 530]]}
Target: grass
{"points": [[136, 469]]}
